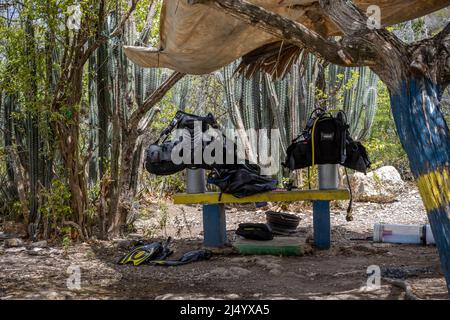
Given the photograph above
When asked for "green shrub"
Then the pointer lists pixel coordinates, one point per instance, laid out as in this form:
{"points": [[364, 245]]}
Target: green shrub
{"points": [[383, 145]]}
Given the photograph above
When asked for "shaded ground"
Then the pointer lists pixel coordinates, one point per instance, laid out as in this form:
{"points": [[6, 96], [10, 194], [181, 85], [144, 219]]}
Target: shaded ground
{"points": [[339, 273]]}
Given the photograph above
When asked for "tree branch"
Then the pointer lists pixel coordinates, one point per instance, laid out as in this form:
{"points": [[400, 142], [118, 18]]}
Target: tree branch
{"points": [[286, 29], [153, 99], [145, 34], [116, 32], [388, 53], [442, 45], [431, 57], [360, 45], [443, 35]]}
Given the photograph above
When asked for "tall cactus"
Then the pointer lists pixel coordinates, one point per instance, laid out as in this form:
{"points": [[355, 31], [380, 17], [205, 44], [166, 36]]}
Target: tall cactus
{"points": [[103, 98], [7, 102], [33, 131], [287, 103], [93, 118]]}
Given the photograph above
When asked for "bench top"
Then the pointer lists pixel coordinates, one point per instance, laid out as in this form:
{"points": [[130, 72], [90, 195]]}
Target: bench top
{"points": [[273, 196]]}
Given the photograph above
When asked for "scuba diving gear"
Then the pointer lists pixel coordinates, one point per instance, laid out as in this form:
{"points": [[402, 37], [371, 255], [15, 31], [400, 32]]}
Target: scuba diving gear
{"points": [[356, 156], [158, 159], [282, 223], [237, 178], [188, 257], [158, 156], [143, 253], [326, 140], [241, 182], [156, 253], [255, 231]]}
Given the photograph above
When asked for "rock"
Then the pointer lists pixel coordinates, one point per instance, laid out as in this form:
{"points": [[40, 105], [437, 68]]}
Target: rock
{"points": [[238, 271], [135, 236], [39, 244], [36, 252], [167, 296], [15, 250], [383, 185], [123, 244], [272, 266], [13, 243], [55, 251], [220, 271], [15, 228], [240, 260], [52, 295], [368, 248], [275, 272], [4, 236], [233, 272]]}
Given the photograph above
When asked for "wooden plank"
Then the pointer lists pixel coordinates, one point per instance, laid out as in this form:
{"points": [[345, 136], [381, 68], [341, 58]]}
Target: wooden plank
{"points": [[274, 196]]}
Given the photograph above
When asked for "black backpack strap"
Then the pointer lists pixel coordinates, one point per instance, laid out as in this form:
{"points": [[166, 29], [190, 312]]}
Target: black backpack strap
{"points": [[209, 119], [173, 124]]}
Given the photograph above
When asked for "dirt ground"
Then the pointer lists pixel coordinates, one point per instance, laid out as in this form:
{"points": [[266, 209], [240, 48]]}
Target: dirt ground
{"points": [[338, 273]]}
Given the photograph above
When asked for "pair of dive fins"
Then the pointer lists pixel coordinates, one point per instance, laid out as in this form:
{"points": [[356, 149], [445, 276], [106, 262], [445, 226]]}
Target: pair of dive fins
{"points": [[156, 253]]}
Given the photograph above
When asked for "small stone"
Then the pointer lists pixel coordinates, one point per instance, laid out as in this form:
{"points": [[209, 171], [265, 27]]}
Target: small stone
{"points": [[35, 252], [275, 272], [53, 295], [220, 271], [13, 243], [39, 244], [291, 274], [123, 244], [4, 236], [239, 260], [55, 251], [135, 236], [239, 271], [15, 250], [272, 266]]}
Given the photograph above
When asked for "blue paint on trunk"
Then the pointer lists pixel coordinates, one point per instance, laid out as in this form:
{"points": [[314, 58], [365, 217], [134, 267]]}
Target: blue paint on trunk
{"points": [[440, 225], [421, 126], [425, 137]]}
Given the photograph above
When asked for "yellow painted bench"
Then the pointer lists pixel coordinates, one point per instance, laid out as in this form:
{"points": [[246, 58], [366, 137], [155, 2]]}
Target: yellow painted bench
{"points": [[214, 224], [273, 196]]}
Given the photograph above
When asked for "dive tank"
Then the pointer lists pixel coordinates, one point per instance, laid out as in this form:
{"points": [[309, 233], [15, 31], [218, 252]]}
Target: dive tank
{"points": [[403, 234]]}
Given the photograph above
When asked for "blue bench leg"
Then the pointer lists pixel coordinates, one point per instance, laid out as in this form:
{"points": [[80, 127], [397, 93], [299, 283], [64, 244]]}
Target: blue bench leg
{"points": [[214, 225], [322, 225]]}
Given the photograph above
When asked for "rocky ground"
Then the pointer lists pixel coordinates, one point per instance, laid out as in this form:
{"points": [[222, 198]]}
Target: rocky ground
{"points": [[44, 271]]}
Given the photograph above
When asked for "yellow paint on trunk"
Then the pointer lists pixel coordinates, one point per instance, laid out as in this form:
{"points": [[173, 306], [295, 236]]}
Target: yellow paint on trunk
{"points": [[434, 188]]}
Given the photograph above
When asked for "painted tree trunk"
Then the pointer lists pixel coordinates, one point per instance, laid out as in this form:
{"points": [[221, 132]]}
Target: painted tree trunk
{"points": [[425, 137]]}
